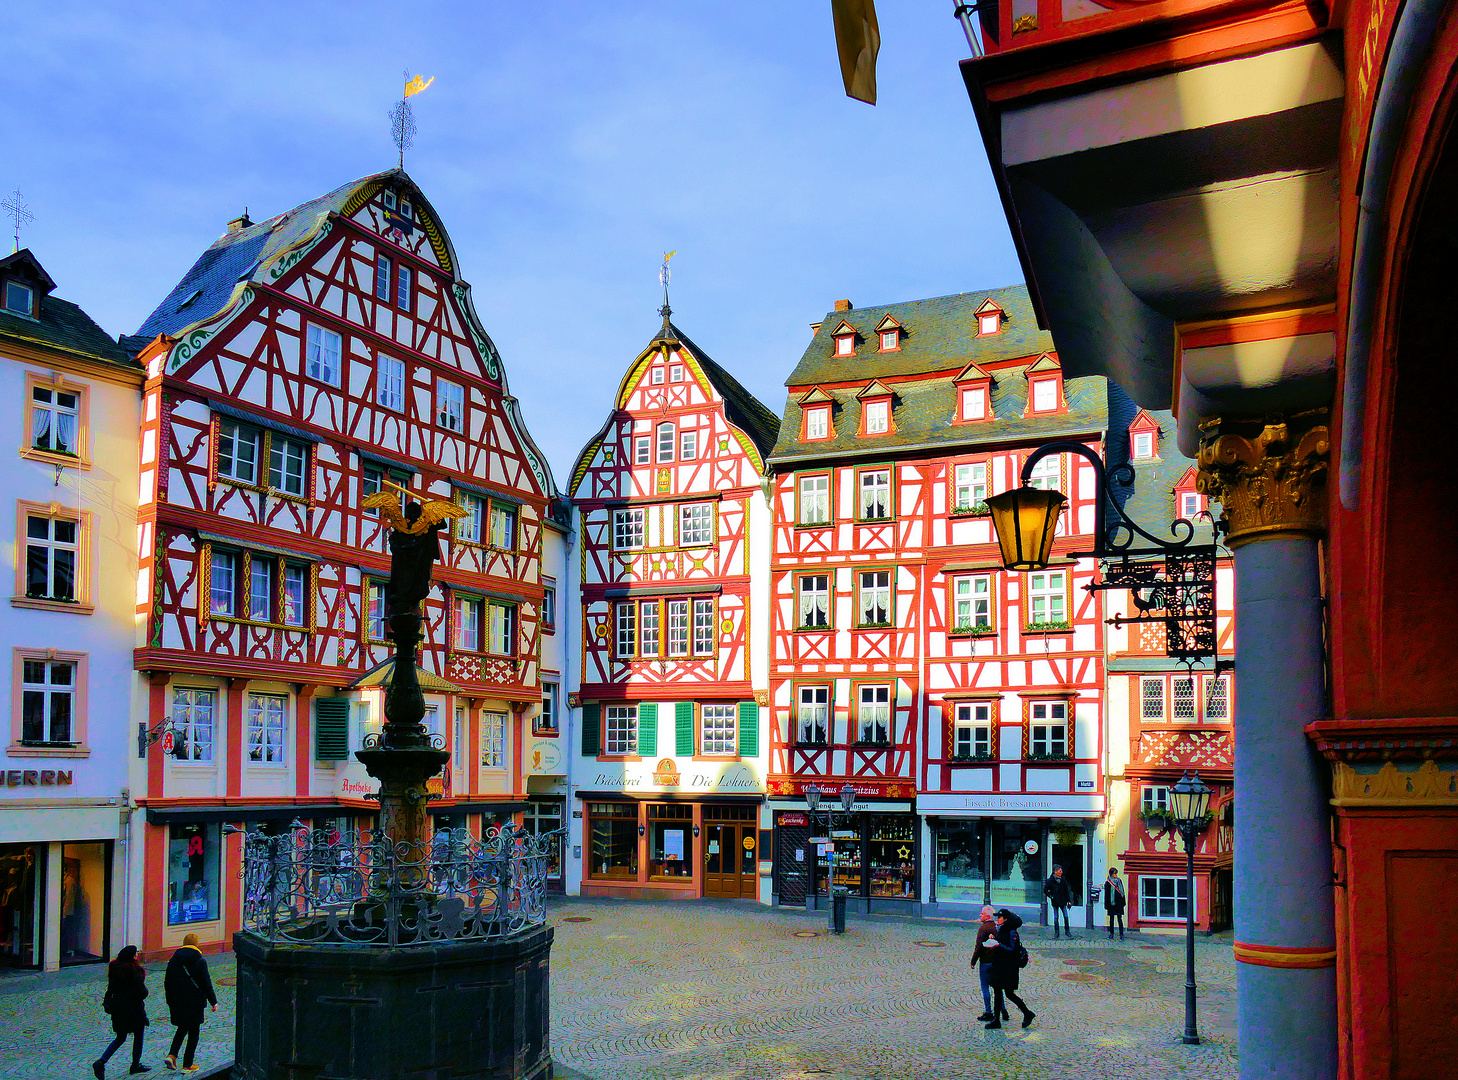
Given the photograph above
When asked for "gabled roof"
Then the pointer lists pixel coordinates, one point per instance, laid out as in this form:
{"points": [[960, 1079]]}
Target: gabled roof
{"points": [[1144, 422], [814, 396], [889, 323], [1042, 364], [971, 373], [23, 264], [875, 388], [843, 328], [989, 305], [1152, 503], [384, 674], [62, 325]]}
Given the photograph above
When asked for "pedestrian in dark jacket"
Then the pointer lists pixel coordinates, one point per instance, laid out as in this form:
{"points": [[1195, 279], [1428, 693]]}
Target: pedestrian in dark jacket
{"points": [[1059, 892], [1114, 900], [1005, 945], [982, 960], [126, 989], [189, 989]]}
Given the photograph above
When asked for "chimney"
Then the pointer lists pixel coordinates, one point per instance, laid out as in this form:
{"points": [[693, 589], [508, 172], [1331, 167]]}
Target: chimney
{"points": [[843, 305], [238, 224]]}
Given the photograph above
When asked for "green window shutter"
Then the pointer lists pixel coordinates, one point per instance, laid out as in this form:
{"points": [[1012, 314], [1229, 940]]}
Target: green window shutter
{"points": [[591, 729], [683, 729], [648, 730], [748, 729], [331, 729]]}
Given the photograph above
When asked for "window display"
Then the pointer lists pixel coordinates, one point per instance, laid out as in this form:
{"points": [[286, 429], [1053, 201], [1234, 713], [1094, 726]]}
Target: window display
{"points": [[192, 873], [1017, 876], [20, 909], [84, 890], [891, 852], [613, 845], [670, 841], [961, 878], [545, 816]]}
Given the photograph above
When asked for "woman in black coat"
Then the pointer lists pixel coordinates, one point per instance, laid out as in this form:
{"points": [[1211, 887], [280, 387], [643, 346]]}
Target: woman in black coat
{"points": [[189, 989], [126, 989], [1003, 948]]}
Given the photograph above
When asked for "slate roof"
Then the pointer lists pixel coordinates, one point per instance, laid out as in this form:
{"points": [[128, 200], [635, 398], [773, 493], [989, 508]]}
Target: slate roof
{"points": [[1151, 504], [743, 409], [941, 336], [63, 326], [237, 256]]}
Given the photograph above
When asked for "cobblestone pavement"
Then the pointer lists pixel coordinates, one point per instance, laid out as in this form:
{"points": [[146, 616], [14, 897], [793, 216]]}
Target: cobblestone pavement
{"points": [[704, 990]]}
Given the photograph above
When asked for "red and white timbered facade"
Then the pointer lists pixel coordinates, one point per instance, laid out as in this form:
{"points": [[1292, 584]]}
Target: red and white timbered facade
{"points": [[963, 704], [304, 363], [672, 563]]}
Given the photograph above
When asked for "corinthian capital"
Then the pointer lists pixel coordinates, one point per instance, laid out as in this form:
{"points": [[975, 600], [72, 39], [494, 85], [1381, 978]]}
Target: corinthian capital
{"points": [[1269, 475]]}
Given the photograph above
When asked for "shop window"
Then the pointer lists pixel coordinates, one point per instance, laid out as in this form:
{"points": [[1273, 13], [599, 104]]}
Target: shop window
{"points": [[1017, 877], [972, 730], [493, 739], [971, 603], [814, 601], [873, 715], [817, 423], [544, 816], [48, 693], [467, 617], [546, 721], [695, 524], [1183, 697], [969, 487], [1154, 799], [874, 600], [1163, 898], [677, 630], [890, 855], [875, 494], [1048, 730], [1047, 599], [501, 627], [1217, 698], [665, 443], [1151, 699], [503, 526], [194, 713], [85, 890], [267, 728], [612, 845], [848, 870], [193, 861], [961, 874], [688, 445], [627, 529], [815, 499], [322, 350], [377, 622], [643, 450], [56, 420], [621, 735], [812, 716], [718, 730], [670, 841], [450, 405]]}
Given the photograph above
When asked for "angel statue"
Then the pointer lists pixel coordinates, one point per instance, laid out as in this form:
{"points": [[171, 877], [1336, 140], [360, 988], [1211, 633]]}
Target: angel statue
{"points": [[413, 544]]}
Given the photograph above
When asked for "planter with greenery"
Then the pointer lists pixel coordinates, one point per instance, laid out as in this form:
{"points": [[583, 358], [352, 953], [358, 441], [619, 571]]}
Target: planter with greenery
{"points": [[1046, 628], [978, 509], [962, 758], [964, 629], [1048, 757]]}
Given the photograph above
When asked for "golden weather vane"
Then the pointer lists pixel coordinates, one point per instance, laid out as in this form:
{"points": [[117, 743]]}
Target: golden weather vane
{"points": [[402, 116]]}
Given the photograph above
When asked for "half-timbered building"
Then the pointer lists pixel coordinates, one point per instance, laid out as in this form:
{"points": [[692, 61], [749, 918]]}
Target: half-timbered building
{"points": [[672, 580], [963, 704], [1165, 717], [302, 363]]}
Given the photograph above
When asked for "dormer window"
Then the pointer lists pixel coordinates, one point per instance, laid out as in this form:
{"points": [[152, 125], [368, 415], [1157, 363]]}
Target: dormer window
{"points": [[19, 299], [845, 344], [989, 323], [890, 340], [817, 422], [878, 417], [1192, 503], [1045, 395], [1142, 445], [406, 211], [974, 403]]}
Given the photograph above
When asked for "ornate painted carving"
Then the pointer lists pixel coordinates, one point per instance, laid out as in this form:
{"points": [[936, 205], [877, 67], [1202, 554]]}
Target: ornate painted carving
{"points": [[468, 316], [285, 260], [1268, 475], [191, 341], [1428, 785], [1187, 749]]}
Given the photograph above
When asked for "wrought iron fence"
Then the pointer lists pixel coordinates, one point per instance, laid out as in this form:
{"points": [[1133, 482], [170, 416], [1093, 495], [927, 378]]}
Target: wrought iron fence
{"points": [[322, 887]]}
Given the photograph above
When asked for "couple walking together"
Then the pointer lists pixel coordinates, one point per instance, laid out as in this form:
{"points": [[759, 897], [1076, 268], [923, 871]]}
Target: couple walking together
{"points": [[998, 958], [188, 988]]}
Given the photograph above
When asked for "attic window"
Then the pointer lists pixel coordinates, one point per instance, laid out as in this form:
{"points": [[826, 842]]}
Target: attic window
{"points": [[1045, 395], [389, 200], [19, 298], [406, 210], [657, 376], [1142, 445], [989, 322], [878, 415], [1191, 503], [675, 373], [890, 340], [845, 344], [974, 403], [189, 298], [817, 423]]}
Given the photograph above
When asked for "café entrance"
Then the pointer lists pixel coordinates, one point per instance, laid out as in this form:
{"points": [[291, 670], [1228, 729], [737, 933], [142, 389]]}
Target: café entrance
{"points": [[731, 857]]}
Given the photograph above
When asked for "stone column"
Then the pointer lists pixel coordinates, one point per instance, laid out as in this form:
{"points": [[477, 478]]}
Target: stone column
{"points": [[1270, 477]]}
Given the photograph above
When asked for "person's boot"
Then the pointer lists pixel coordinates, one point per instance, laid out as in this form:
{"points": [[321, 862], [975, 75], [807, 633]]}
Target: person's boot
{"points": [[987, 1015], [98, 1069], [1028, 1015], [994, 1026], [138, 1067]]}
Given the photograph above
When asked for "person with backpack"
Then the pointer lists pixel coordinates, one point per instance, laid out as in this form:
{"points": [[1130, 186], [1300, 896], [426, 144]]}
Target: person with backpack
{"points": [[189, 988], [1008, 959], [982, 960], [126, 989]]}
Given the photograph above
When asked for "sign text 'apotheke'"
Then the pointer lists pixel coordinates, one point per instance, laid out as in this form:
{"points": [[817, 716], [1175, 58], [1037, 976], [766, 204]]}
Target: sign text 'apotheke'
{"points": [[34, 777]]}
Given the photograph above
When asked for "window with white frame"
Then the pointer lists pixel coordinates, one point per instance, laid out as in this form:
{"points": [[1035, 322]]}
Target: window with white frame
{"points": [[1151, 698], [47, 701], [845, 344], [1191, 504], [19, 298], [322, 351], [295, 594], [493, 740], [193, 714], [450, 405], [1163, 898], [51, 557], [695, 524], [1048, 729], [625, 628], [815, 499], [390, 382], [643, 450], [873, 714], [1047, 474], [54, 418], [703, 627], [1047, 598], [1182, 697], [817, 422], [890, 340], [372, 479], [878, 417], [404, 288], [677, 636], [675, 373], [971, 602], [547, 718], [656, 377], [621, 734], [627, 529], [469, 528], [665, 442], [288, 463], [812, 715], [875, 598], [267, 728], [503, 526], [875, 497], [382, 276], [502, 629], [814, 600], [1154, 798], [688, 445], [468, 623], [239, 448], [1045, 395], [223, 582], [1217, 698], [972, 729], [378, 614], [1141, 445], [988, 322], [718, 730], [969, 485], [549, 606], [974, 403], [260, 590], [648, 619]]}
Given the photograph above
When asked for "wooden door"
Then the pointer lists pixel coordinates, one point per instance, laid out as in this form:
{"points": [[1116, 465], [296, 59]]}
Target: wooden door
{"points": [[721, 860]]}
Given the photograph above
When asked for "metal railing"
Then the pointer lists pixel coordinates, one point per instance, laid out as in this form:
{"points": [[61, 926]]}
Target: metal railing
{"points": [[322, 887]]}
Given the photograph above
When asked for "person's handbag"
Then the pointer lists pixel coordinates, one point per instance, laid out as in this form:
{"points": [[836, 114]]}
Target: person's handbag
{"points": [[107, 1001]]}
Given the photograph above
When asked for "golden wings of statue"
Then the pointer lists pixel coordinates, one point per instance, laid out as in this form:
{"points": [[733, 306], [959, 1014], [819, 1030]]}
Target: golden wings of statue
{"points": [[432, 513]]}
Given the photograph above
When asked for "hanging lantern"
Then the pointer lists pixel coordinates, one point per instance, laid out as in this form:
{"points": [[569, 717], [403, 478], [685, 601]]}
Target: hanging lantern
{"points": [[1025, 520]]}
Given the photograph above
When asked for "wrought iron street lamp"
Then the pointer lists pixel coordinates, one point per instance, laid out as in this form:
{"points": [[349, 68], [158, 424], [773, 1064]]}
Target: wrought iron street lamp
{"points": [[1189, 808], [812, 794]]}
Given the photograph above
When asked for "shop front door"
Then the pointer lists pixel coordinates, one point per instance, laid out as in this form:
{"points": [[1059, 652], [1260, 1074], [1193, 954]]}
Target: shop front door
{"points": [[729, 862]]}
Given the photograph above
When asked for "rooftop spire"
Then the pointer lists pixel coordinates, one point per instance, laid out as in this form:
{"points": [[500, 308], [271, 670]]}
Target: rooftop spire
{"points": [[663, 279]]}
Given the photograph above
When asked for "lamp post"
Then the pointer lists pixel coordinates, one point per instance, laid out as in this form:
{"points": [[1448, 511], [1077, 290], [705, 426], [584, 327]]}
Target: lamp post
{"points": [[1189, 802], [812, 802]]}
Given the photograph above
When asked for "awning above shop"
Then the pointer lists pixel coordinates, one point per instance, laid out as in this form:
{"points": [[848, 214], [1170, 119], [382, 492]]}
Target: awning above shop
{"points": [[183, 815]]}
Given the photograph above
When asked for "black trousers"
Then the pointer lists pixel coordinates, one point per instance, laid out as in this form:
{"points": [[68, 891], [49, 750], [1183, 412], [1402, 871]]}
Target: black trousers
{"points": [[998, 1008], [1119, 915], [190, 1033], [116, 1044]]}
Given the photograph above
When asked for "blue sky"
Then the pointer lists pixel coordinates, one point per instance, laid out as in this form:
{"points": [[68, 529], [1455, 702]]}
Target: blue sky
{"points": [[565, 146]]}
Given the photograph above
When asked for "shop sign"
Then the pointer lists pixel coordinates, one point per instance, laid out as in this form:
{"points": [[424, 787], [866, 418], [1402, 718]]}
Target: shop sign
{"points": [[35, 777], [666, 774], [749, 842], [356, 789], [793, 818], [736, 778], [546, 757], [870, 791]]}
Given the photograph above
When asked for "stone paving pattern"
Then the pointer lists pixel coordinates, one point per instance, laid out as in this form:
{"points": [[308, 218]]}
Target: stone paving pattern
{"points": [[704, 990]]}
